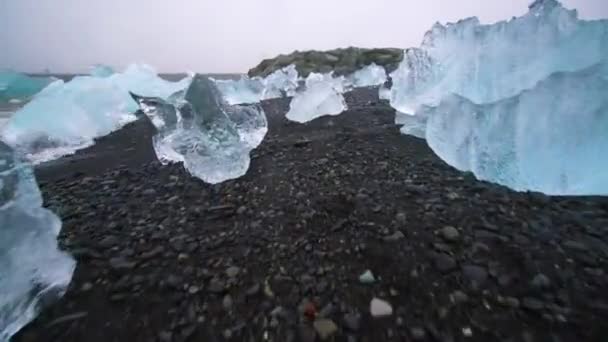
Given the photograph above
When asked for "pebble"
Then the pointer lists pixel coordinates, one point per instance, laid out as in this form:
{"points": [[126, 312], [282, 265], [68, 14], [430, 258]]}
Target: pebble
{"points": [[532, 304], [450, 233], [367, 277], [396, 236], [232, 271], [444, 263], [418, 333], [380, 308], [325, 328], [541, 281], [352, 321]]}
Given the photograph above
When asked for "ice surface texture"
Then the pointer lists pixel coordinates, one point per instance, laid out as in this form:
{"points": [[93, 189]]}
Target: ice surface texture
{"points": [[321, 96], [369, 76], [15, 86], [33, 271], [498, 99], [280, 83], [101, 70], [67, 116], [211, 138]]}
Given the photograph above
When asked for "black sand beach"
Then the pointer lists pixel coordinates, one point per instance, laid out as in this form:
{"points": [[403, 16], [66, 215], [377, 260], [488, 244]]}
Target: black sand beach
{"points": [[276, 255]]}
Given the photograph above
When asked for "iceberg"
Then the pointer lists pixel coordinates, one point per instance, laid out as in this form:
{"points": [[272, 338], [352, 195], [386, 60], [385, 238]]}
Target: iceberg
{"points": [[33, 271], [100, 70], [16, 87], [369, 76], [491, 98], [323, 95], [199, 129], [552, 138], [67, 116]]}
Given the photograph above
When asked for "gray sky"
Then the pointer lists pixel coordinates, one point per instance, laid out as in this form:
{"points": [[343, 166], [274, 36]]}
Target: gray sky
{"points": [[223, 35]]}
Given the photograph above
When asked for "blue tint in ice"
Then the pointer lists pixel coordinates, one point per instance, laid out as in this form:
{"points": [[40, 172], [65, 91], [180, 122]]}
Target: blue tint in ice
{"points": [[211, 138], [33, 271], [368, 76], [321, 96], [67, 116], [243, 90], [280, 83], [15, 86], [491, 98], [101, 70]]}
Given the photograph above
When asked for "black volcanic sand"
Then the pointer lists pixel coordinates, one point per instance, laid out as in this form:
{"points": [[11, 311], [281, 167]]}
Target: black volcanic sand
{"points": [[163, 256]]}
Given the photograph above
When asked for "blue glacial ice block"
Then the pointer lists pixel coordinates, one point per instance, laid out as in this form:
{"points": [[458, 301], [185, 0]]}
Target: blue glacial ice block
{"points": [[67, 116], [15, 86], [198, 128], [33, 271], [519, 102]]}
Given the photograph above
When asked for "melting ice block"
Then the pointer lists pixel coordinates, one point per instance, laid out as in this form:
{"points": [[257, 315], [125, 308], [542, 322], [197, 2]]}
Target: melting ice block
{"points": [[197, 128], [33, 271], [552, 138], [67, 116], [15, 86], [493, 98], [370, 75], [243, 90], [322, 96], [281, 83]]}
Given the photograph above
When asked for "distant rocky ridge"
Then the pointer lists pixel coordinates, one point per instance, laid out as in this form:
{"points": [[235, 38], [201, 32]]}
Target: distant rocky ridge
{"points": [[341, 61]]}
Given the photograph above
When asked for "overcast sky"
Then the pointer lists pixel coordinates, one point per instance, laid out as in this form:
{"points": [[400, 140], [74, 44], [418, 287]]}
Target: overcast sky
{"points": [[223, 35]]}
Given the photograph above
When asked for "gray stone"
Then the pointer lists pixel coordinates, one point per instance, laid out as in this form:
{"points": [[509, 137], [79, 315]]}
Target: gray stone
{"points": [[477, 275], [396, 236], [450, 233], [352, 321], [380, 308], [532, 304], [232, 271], [444, 263], [418, 333], [216, 286], [541, 281]]}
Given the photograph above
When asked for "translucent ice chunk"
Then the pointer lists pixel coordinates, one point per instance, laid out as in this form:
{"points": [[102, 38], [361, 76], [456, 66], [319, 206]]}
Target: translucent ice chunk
{"points": [[370, 75], [15, 86], [486, 63], [197, 128], [243, 90], [519, 102], [101, 71], [33, 271], [322, 96], [552, 138], [67, 116], [281, 83]]}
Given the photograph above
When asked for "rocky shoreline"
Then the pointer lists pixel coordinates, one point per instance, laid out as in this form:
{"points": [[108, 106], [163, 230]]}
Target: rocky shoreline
{"points": [[281, 254]]}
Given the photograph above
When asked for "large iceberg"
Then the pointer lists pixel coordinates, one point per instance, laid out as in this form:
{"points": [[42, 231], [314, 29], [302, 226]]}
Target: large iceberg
{"points": [[519, 102], [33, 271], [17, 87], [323, 95], [196, 127], [67, 116]]}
